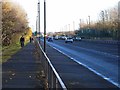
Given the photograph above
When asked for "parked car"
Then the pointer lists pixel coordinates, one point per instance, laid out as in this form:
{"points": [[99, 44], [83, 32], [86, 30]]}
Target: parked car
{"points": [[50, 39], [68, 39]]}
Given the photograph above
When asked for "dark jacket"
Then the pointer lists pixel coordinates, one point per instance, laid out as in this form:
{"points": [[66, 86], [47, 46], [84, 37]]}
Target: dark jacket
{"points": [[22, 39]]}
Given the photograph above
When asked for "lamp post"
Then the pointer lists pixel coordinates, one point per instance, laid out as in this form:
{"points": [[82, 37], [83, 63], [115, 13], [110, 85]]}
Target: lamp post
{"points": [[103, 18], [44, 25], [39, 18], [80, 24], [89, 21], [73, 25], [69, 29], [89, 26], [36, 25], [118, 34]]}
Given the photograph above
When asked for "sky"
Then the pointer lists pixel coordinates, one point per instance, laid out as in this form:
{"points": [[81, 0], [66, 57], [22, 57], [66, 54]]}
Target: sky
{"points": [[60, 14]]}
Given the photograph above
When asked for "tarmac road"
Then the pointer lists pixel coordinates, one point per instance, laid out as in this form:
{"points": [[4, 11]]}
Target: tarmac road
{"points": [[101, 59], [80, 75]]}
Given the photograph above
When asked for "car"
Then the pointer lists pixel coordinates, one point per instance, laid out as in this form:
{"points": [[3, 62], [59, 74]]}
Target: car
{"points": [[50, 39], [56, 37], [68, 39], [77, 39]]}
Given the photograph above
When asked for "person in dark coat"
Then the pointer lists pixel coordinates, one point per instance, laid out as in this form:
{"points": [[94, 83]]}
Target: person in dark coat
{"points": [[22, 40], [30, 39]]}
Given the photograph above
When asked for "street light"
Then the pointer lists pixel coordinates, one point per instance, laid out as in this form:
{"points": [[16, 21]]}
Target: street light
{"points": [[103, 18], [89, 26], [118, 21], [89, 21], [36, 25], [69, 29], [73, 25], [39, 18], [80, 24], [44, 25], [44, 22]]}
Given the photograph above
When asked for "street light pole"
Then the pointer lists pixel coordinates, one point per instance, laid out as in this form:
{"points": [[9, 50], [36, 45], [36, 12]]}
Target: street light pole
{"points": [[80, 24], [39, 18], [103, 18], [69, 29], [36, 25], [89, 26], [118, 34], [89, 21], [73, 26], [44, 25], [103, 22]]}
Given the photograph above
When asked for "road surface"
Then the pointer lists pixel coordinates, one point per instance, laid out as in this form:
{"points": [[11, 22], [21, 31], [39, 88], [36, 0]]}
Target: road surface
{"points": [[101, 59]]}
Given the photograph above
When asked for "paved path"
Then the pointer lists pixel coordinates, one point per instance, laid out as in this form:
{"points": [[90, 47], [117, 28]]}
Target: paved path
{"points": [[22, 70]]}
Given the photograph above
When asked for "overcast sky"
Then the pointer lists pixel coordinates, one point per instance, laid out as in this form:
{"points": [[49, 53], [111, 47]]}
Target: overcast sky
{"points": [[61, 13]]}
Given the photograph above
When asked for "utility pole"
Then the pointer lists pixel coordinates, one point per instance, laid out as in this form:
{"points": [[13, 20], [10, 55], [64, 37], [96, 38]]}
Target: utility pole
{"points": [[44, 25]]}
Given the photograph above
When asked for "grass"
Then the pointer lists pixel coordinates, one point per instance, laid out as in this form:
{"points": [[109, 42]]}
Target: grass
{"points": [[8, 51]]}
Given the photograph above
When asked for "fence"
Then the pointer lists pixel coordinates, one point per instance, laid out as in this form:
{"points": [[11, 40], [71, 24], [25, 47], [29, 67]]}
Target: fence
{"points": [[52, 77]]}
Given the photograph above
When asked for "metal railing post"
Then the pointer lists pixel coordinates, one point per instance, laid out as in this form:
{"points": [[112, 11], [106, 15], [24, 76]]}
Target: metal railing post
{"points": [[52, 77]]}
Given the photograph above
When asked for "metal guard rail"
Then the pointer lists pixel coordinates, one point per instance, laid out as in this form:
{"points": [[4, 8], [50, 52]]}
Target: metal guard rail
{"points": [[53, 78]]}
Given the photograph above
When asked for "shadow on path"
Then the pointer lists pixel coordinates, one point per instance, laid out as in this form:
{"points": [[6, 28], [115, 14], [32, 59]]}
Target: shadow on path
{"points": [[22, 70]]}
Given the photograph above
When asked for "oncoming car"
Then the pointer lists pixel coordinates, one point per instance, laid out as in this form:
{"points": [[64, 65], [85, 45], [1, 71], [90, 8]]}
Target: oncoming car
{"points": [[68, 39]]}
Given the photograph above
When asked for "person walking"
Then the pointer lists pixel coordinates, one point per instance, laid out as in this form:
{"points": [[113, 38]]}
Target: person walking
{"points": [[30, 39], [22, 40]]}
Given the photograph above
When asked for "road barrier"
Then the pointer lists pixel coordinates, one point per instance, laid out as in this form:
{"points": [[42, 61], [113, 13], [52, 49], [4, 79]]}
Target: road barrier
{"points": [[52, 77]]}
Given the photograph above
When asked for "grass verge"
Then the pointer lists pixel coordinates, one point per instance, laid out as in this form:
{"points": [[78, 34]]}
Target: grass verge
{"points": [[8, 51]]}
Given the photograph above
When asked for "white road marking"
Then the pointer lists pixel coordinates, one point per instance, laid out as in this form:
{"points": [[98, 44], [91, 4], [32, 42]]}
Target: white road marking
{"points": [[104, 77]]}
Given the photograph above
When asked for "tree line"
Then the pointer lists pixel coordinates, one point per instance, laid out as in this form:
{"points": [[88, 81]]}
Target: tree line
{"points": [[105, 27], [14, 22]]}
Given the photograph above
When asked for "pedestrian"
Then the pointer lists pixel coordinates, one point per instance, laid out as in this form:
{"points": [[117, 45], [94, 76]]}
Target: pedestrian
{"points": [[22, 40], [30, 39]]}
